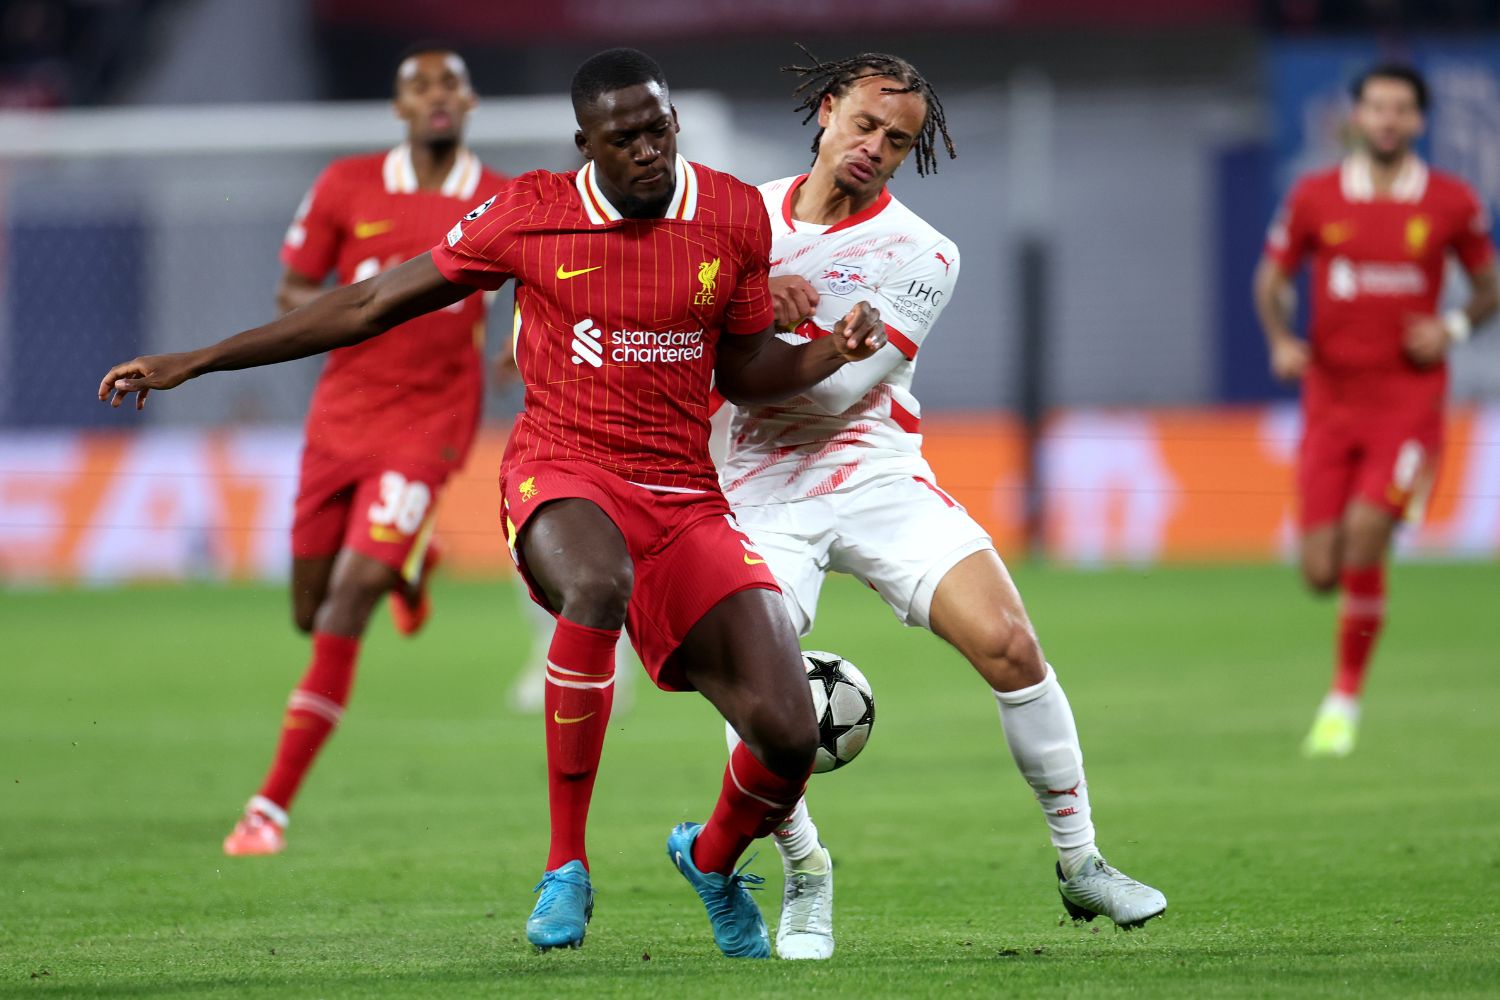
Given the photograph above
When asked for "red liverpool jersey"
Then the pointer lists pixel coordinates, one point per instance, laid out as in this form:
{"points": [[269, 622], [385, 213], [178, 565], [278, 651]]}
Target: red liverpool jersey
{"points": [[414, 392], [1376, 261], [618, 320]]}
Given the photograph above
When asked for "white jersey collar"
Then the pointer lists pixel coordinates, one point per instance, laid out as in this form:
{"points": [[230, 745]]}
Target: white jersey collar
{"points": [[1357, 179], [683, 206], [400, 174]]}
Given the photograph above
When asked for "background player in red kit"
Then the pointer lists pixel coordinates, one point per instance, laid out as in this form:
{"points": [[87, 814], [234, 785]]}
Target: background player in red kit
{"points": [[390, 419], [1379, 228], [641, 279]]}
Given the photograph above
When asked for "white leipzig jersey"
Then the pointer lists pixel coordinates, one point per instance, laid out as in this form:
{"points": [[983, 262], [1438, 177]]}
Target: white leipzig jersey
{"points": [[861, 422]]}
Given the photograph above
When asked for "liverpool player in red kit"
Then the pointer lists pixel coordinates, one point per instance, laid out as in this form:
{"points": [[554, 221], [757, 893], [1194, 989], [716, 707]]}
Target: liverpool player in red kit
{"points": [[390, 419], [641, 279], [1379, 229]]}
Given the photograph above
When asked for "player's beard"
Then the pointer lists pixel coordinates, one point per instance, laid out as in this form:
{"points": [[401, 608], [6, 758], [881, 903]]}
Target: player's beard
{"points": [[1387, 157]]}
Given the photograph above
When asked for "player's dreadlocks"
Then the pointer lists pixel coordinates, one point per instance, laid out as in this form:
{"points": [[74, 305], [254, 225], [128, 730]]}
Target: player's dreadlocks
{"points": [[823, 79]]}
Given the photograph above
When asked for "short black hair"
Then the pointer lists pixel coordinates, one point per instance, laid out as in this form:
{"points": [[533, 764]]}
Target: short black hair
{"points": [[613, 69], [1392, 71], [823, 79]]}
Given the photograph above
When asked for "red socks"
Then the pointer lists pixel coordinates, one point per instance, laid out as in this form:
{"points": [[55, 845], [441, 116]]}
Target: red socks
{"points": [[1360, 617], [314, 710], [753, 803], [580, 693]]}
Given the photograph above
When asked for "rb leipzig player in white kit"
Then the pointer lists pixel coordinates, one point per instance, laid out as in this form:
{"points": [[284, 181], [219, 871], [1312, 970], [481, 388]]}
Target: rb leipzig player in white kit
{"points": [[834, 479]]}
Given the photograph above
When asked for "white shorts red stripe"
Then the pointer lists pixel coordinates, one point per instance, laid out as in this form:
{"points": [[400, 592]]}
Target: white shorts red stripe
{"points": [[899, 533]]}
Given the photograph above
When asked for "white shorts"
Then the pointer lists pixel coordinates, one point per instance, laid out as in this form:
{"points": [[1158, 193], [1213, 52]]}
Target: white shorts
{"points": [[900, 534]]}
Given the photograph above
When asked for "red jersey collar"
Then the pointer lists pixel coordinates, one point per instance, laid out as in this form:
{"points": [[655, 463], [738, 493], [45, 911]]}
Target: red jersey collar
{"points": [[400, 176], [1357, 179], [683, 206]]}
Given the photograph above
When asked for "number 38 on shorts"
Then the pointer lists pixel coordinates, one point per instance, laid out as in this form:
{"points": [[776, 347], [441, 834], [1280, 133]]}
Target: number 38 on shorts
{"points": [[401, 507]]}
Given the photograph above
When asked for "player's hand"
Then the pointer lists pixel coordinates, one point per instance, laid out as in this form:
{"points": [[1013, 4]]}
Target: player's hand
{"points": [[1289, 358], [154, 371], [795, 299], [1426, 341], [860, 333]]}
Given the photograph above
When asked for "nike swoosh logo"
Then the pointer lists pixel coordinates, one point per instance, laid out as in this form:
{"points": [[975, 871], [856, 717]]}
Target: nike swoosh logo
{"points": [[557, 718], [752, 562], [563, 274], [364, 230]]}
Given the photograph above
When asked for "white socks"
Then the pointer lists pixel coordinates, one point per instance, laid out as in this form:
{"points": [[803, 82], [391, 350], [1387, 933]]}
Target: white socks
{"points": [[797, 840], [1043, 740], [1336, 702], [1039, 729]]}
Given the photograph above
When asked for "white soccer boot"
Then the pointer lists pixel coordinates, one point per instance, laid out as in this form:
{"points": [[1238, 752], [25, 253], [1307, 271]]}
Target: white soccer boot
{"points": [[1099, 889], [806, 926]]}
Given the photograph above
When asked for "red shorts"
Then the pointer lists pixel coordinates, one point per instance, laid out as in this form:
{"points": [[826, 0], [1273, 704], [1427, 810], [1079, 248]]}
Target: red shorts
{"points": [[687, 551], [1388, 458], [381, 509]]}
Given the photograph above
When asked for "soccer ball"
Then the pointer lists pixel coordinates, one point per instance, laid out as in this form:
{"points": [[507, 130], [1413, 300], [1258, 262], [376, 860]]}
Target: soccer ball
{"points": [[845, 708]]}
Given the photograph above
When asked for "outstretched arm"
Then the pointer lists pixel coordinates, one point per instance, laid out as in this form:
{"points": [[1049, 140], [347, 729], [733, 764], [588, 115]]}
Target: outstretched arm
{"points": [[342, 317], [762, 368], [296, 290]]}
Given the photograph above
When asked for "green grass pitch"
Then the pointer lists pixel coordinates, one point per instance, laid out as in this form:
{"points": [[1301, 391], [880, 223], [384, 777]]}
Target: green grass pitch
{"points": [[134, 723]]}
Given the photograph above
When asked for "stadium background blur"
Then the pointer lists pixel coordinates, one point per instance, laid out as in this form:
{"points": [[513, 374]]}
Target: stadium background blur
{"points": [[1117, 169]]}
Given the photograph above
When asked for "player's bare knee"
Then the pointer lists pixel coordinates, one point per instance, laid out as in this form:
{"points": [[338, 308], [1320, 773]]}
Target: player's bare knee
{"points": [[303, 618], [597, 596], [355, 590], [1007, 653], [791, 750], [786, 742], [1320, 575]]}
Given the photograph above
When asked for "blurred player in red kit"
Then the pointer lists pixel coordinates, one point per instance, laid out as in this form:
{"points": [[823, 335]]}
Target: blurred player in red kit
{"points": [[390, 420], [1379, 229], [641, 281]]}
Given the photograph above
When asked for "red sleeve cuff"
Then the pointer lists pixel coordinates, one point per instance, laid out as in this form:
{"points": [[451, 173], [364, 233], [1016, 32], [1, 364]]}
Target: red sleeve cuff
{"points": [[752, 324], [1285, 258], [1482, 259], [294, 261], [449, 267]]}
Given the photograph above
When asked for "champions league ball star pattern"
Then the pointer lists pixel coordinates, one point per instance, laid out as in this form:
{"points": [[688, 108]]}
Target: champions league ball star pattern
{"points": [[844, 705]]}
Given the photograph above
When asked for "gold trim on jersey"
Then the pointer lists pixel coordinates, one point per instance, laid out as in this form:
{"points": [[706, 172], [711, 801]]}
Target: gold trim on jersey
{"points": [[683, 206]]}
